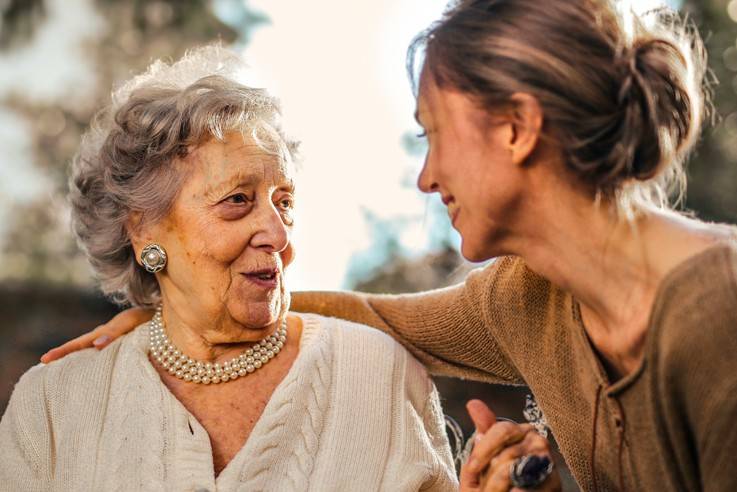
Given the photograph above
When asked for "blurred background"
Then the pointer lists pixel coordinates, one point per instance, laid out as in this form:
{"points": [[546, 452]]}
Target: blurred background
{"points": [[339, 69]]}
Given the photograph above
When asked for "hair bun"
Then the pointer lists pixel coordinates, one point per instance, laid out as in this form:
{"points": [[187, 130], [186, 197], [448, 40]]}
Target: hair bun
{"points": [[660, 106]]}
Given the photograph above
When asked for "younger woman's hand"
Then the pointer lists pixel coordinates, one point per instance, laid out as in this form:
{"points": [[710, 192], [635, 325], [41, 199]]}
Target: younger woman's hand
{"points": [[498, 445], [101, 336]]}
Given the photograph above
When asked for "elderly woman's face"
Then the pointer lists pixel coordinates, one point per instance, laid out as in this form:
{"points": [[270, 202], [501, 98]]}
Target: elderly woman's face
{"points": [[228, 235]]}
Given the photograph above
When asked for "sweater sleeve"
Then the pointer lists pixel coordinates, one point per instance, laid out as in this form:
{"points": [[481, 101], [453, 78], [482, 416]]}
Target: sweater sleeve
{"points": [[26, 453], [419, 457], [700, 405], [712, 389], [444, 474], [446, 329]]}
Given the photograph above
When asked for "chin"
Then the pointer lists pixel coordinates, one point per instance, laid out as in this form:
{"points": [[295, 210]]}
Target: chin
{"points": [[255, 315], [474, 252]]}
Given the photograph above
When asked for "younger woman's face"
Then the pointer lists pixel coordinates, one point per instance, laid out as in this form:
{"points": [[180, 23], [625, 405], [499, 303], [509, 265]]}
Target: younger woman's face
{"points": [[469, 162]]}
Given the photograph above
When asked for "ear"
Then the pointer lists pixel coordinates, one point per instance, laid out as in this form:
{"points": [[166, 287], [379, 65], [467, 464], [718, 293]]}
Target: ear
{"points": [[136, 232], [527, 123]]}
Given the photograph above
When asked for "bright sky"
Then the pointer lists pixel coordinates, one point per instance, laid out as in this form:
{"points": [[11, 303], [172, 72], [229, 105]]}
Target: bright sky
{"points": [[340, 74], [339, 69]]}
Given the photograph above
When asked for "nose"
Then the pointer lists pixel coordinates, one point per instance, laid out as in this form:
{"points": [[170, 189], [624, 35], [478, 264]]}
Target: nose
{"points": [[272, 234], [425, 181]]}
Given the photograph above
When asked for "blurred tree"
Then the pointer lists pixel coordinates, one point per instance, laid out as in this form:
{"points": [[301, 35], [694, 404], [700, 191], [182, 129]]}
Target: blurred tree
{"points": [[38, 245], [712, 191], [18, 21]]}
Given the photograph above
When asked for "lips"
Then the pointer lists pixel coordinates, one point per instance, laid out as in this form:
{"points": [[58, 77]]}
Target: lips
{"points": [[267, 278]]}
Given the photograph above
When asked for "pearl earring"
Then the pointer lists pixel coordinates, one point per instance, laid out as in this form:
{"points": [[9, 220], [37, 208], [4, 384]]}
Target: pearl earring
{"points": [[153, 258]]}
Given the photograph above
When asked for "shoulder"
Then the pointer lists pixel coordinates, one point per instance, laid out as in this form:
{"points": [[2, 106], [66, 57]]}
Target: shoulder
{"points": [[52, 401], [509, 281], [360, 339], [691, 352], [371, 354], [86, 367], [68, 386], [696, 307], [695, 326], [55, 377]]}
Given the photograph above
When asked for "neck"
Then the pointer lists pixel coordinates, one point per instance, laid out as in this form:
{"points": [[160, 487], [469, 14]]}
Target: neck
{"points": [[208, 338], [613, 267]]}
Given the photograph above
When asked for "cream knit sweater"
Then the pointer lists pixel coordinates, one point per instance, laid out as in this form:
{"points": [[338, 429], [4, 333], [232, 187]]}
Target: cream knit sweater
{"points": [[355, 412]]}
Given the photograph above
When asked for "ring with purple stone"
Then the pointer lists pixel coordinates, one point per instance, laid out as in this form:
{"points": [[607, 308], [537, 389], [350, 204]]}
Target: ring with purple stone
{"points": [[530, 471]]}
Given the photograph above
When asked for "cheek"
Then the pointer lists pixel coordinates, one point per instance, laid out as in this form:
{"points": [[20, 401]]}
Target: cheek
{"points": [[487, 178], [221, 241], [205, 249], [488, 191]]}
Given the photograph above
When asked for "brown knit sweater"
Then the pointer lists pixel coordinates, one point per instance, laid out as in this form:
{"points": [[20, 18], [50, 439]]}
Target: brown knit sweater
{"points": [[669, 425]]}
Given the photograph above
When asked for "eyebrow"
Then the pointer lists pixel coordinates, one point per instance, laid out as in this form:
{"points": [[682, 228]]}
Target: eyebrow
{"points": [[234, 182], [246, 181], [289, 185]]}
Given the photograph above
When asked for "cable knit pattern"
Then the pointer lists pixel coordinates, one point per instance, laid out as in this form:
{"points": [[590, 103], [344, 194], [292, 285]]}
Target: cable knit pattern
{"points": [[304, 396], [355, 412]]}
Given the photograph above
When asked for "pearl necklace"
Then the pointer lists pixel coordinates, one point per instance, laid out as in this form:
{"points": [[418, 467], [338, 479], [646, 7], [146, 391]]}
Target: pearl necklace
{"points": [[188, 369]]}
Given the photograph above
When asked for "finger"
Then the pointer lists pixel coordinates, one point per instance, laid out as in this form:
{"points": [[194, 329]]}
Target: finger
{"points": [[469, 480], [501, 435], [481, 415], [533, 443], [102, 335], [125, 321], [510, 453], [79, 343], [498, 480]]}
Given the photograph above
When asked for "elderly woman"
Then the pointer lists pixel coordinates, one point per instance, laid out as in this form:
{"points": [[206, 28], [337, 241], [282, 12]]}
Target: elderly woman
{"points": [[183, 197]]}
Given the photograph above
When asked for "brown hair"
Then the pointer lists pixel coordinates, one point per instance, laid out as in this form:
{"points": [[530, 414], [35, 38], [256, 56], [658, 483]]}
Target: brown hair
{"points": [[622, 95]]}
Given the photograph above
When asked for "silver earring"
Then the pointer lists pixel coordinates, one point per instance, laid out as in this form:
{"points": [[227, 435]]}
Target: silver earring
{"points": [[153, 258]]}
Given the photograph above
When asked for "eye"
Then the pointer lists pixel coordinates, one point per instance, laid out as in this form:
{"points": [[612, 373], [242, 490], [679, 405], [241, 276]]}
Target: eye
{"points": [[422, 134], [286, 203], [238, 199]]}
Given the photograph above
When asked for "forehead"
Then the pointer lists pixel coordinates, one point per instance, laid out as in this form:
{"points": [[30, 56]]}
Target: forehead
{"points": [[239, 158], [447, 105], [422, 96], [431, 99]]}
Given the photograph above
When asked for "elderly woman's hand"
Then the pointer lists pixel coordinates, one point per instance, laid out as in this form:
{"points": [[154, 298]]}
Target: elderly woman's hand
{"points": [[498, 445], [101, 336]]}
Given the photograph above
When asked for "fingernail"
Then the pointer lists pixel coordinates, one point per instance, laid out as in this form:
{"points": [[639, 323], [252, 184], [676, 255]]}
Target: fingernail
{"points": [[101, 341], [478, 437], [43, 357], [472, 464]]}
